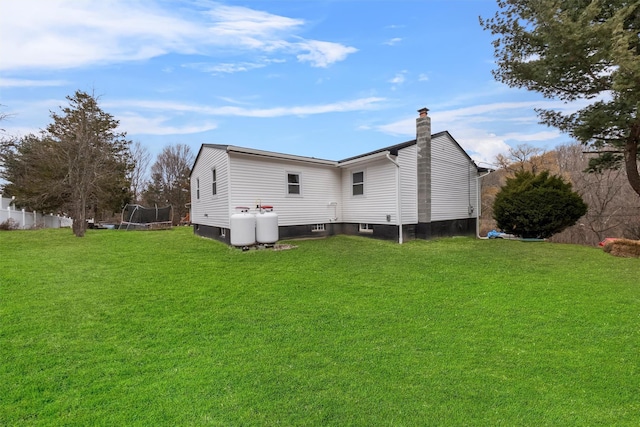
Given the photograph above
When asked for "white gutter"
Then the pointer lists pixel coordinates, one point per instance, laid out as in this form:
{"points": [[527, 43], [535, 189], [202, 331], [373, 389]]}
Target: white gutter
{"points": [[254, 152], [398, 197], [368, 158]]}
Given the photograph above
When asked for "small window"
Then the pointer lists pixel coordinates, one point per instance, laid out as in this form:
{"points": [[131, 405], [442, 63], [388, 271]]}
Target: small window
{"points": [[214, 183], [317, 227], [357, 181], [198, 188], [365, 228], [293, 184]]}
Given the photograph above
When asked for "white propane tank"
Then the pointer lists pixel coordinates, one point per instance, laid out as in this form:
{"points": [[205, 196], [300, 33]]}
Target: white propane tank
{"points": [[243, 227], [266, 225]]}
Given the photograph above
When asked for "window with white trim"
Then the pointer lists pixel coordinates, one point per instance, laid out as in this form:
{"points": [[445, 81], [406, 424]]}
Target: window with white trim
{"points": [[198, 188], [365, 228], [214, 182], [357, 183], [317, 227], [293, 184]]}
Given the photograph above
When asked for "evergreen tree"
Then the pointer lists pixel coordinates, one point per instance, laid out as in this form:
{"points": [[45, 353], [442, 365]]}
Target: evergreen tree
{"points": [[537, 206], [78, 165], [586, 50]]}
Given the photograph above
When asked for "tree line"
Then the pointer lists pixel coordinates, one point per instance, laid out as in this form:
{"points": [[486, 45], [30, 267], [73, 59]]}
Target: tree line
{"points": [[577, 50], [81, 165], [613, 206]]}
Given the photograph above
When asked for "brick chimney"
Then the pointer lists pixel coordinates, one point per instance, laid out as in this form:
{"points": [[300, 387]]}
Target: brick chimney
{"points": [[423, 142]]}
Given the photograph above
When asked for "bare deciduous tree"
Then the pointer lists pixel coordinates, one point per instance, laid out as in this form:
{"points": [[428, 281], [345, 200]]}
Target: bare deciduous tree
{"points": [[140, 158], [523, 158], [169, 183], [613, 207]]}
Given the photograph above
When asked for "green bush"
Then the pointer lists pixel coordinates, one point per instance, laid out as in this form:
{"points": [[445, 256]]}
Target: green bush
{"points": [[537, 206]]}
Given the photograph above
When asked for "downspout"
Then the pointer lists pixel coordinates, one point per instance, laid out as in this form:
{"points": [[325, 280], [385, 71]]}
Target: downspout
{"points": [[398, 197], [479, 204]]}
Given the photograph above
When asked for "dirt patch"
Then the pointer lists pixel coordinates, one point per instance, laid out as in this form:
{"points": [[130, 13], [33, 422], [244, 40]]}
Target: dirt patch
{"points": [[283, 247]]}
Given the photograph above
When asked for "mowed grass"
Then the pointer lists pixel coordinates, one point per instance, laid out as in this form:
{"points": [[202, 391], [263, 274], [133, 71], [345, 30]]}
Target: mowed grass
{"points": [[166, 328]]}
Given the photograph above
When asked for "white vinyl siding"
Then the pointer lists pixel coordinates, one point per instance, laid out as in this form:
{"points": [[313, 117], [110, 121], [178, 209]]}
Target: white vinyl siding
{"points": [[379, 199], [407, 158], [453, 181], [257, 180], [326, 190], [207, 209]]}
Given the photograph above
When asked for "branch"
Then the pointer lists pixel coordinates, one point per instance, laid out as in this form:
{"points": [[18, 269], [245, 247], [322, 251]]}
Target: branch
{"points": [[602, 151]]}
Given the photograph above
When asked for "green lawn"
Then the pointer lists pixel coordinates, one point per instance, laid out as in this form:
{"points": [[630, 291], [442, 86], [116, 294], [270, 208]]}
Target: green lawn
{"points": [[166, 328]]}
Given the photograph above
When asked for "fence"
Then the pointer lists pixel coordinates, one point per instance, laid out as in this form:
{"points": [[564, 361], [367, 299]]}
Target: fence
{"points": [[26, 220]]}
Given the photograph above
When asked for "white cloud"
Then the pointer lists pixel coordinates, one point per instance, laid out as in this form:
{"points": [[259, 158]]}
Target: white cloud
{"points": [[393, 41], [243, 23], [230, 67], [19, 131], [537, 136], [478, 128], [398, 78], [61, 34], [322, 54], [423, 78], [482, 146], [135, 124], [176, 107], [7, 82]]}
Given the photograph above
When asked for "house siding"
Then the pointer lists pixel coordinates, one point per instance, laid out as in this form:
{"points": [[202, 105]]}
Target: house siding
{"points": [[437, 182], [453, 181], [379, 198], [256, 181], [407, 159], [208, 209]]}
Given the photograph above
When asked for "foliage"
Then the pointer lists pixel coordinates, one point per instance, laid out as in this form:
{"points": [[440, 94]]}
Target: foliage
{"points": [[537, 205], [9, 224], [578, 50], [614, 211], [338, 332], [78, 165], [169, 183]]}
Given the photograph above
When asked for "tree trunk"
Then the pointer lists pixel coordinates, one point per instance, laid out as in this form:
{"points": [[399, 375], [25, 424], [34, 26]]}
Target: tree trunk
{"points": [[631, 158], [79, 218]]}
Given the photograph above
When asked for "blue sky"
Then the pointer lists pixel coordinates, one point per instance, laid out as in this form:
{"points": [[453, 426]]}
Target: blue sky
{"points": [[322, 78]]}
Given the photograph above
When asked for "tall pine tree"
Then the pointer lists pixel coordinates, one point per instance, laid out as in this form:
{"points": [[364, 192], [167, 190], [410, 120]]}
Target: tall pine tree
{"points": [[586, 50], [78, 165]]}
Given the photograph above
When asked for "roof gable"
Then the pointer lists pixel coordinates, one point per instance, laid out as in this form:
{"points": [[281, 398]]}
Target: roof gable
{"points": [[459, 147]]}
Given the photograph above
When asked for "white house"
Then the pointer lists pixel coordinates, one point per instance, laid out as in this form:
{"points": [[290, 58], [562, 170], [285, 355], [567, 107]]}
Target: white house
{"points": [[417, 189]]}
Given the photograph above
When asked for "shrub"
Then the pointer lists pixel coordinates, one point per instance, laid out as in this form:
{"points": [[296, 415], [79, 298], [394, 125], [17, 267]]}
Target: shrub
{"points": [[9, 224], [537, 205]]}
